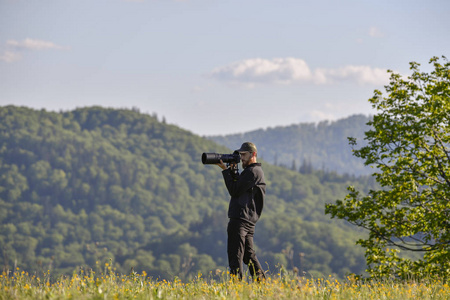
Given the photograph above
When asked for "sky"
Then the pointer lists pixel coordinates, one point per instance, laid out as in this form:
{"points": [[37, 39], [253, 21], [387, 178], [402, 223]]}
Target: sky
{"points": [[215, 67]]}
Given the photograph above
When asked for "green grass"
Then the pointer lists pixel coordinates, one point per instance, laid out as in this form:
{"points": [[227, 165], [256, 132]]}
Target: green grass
{"points": [[109, 285]]}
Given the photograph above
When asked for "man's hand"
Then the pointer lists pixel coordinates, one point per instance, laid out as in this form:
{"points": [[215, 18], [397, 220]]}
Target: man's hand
{"points": [[222, 165]]}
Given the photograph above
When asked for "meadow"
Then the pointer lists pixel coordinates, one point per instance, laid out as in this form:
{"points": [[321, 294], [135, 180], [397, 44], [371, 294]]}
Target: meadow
{"points": [[86, 284]]}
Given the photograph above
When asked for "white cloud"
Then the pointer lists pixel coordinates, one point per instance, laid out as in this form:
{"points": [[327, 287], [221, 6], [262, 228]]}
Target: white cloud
{"points": [[375, 32], [358, 74], [252, 72], [258, 70], [10, 57], [14, 47], [31, 44]]}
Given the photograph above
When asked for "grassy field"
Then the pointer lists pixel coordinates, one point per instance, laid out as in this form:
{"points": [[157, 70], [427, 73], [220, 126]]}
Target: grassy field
{"points": [[109, 285]]}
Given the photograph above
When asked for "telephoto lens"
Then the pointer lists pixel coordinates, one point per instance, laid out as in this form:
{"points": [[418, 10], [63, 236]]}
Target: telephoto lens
{"points": [[215, 158], [210, 158]]}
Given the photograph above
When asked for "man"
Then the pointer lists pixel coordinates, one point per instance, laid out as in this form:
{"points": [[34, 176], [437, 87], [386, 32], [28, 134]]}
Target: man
{"points": [[247, 191]]}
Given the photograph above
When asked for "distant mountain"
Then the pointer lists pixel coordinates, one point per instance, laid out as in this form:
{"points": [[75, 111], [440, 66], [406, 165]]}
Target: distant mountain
{"points": [[324, 146], [95, 185]]}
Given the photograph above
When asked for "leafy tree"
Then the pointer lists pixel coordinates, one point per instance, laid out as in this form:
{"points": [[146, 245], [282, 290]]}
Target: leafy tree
{"points": [[409, 146]]}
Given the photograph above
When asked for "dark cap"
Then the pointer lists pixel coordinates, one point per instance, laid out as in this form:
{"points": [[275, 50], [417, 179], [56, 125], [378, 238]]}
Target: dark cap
{"points": [[247, 146]]}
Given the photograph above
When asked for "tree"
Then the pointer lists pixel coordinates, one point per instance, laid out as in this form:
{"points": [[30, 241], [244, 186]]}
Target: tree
{"points": [[409, 144]]}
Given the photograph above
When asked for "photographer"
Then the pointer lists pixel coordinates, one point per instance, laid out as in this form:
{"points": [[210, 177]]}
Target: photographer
{"points": [[247, 191]]}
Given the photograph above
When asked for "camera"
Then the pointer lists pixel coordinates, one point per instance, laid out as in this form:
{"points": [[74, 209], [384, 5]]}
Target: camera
{"points": [[214, 158]]}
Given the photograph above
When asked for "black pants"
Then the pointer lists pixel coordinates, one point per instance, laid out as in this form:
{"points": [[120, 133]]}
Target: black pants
{"points": [[240, 249]]}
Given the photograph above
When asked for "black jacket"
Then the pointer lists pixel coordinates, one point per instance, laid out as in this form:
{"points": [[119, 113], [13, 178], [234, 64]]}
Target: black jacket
{"points": [[247, 192]]}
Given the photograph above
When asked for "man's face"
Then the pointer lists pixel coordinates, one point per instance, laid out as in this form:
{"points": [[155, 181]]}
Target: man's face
{"points": [[245, 158]]}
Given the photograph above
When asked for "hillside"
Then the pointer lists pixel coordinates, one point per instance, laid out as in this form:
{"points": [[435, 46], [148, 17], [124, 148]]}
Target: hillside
{"points": [[95, 185], [324, 145]]}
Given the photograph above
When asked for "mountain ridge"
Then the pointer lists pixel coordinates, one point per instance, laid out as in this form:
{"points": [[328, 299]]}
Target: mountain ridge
{"points": [[94, 185], [323, 145]]}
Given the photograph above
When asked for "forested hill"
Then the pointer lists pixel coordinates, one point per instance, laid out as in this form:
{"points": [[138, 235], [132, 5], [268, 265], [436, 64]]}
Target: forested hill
{"points": [[320, 146], [96, 185]]}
